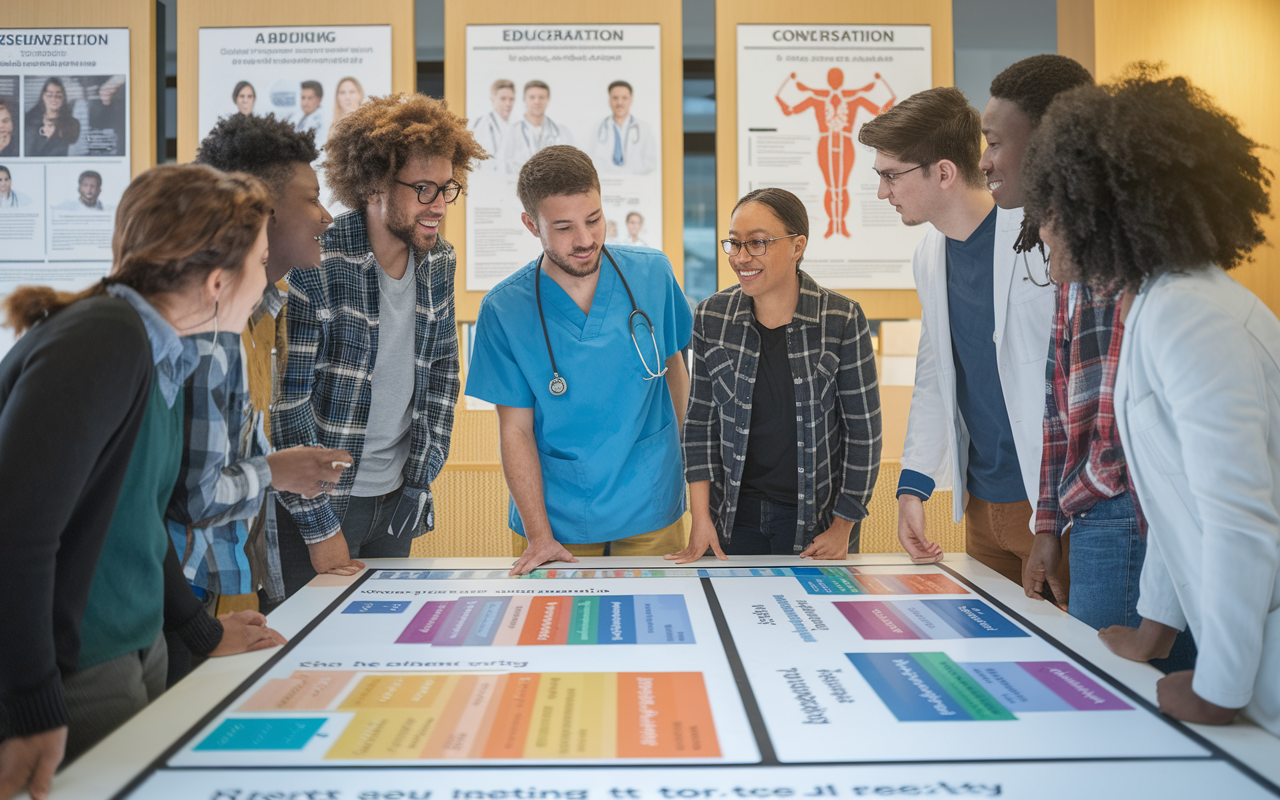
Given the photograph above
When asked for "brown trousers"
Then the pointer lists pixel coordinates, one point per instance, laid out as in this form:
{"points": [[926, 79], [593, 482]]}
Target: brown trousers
{"points": [[999, 535]]}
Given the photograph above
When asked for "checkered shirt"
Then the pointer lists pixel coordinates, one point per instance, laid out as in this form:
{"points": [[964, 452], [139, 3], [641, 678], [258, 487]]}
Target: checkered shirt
{"points": [[332, 318], [837, 405]]}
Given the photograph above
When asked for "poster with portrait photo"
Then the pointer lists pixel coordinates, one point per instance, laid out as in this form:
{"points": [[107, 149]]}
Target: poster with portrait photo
{"points": [[74, 116], [596, 87], [65, 96], [804, 92], [311, 76], [22, 210], [81, 203]]}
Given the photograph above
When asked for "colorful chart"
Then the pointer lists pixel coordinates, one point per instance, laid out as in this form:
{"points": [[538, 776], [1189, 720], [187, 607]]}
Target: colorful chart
{"points": [[815, 580], [928, 619], [930, 687], [398, 716], [551, 620]]}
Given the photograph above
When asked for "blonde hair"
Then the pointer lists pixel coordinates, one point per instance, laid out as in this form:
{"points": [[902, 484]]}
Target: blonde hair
{"points": [[338, 113]]}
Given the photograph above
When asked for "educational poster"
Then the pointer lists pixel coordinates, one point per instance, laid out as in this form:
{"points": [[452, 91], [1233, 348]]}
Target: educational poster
{"points": [[64, 153], [803, 95], [683, 684], [596, 87], [311, 76]]}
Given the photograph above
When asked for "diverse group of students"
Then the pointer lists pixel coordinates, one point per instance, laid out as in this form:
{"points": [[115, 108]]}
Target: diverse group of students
{"points": [[185, 435]]}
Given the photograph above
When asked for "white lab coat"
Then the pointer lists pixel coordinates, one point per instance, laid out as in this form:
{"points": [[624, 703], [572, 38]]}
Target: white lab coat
{"points": [[639, 147], [1198, 405], [313, 122], [521, 141], [937, 441], [490, 130]]}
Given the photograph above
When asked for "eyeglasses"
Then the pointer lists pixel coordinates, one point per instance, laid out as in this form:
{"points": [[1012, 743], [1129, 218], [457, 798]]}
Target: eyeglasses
{"points": [[428, 191], [755, 247], [890, 177]]}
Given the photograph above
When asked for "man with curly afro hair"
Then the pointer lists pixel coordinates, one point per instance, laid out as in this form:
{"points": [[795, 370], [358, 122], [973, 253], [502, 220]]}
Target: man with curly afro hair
{"points": [[373, 346], [1158, 193], [1084, 484]]}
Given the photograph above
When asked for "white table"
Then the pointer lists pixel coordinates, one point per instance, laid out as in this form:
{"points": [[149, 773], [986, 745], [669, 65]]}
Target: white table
{"points": [[111, 765]]}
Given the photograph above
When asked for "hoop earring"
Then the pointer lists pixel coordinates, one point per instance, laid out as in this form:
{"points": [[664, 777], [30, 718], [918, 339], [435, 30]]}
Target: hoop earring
{"points": [[215, 321]]}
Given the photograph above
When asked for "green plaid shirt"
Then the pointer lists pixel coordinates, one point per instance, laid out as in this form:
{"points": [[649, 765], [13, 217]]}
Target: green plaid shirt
{"points": [[332, 318]]}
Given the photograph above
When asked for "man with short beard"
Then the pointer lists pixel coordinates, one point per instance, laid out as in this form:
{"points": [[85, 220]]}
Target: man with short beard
{"points": [[581, 352], [373, 346]]}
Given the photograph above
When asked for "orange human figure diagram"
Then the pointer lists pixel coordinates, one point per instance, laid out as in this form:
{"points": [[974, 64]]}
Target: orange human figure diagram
{"points": [[836, 109]]}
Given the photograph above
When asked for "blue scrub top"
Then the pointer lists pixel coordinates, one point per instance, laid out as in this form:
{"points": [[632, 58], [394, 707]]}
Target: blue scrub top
{"points": [[609, 447]]}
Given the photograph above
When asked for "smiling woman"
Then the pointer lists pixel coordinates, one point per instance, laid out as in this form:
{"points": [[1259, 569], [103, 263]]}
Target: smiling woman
{"points": [[774, 348]]}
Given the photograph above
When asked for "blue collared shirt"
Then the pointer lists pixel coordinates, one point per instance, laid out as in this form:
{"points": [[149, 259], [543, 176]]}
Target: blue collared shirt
{"points": [[175, 358]]}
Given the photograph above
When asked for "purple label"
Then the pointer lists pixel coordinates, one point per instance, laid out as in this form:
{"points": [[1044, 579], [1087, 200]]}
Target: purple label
{"points": [[877, 621], [1079, 690], [426, 623], [456, 626]]}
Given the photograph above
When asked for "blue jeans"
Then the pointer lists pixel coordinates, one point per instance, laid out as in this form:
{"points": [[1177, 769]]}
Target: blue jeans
{"points": [[1106, 558], [761, 528]]}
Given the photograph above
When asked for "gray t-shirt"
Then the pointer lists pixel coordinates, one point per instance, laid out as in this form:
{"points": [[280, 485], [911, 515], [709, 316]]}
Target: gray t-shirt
{"points": [[386, 441]]}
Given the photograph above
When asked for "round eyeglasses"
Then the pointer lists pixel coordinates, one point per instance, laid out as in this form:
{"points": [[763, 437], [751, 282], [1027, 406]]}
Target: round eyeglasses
{"points": [[755, 247], [428, 191]]}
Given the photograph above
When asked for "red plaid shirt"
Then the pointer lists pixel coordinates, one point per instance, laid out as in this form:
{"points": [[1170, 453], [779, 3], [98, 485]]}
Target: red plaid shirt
{"points": [[1083, 461]]}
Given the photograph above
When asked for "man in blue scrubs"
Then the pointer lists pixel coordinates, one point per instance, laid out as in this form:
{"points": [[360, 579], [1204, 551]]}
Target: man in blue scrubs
{"points": [[590, 394]]}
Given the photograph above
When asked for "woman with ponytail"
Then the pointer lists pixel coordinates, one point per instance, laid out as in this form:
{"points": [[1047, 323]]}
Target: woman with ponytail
{"points": [[90, 443]]}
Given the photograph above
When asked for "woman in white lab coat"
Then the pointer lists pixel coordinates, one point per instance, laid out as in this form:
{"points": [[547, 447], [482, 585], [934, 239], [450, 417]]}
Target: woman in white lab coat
{"points": [[1144, 187]]}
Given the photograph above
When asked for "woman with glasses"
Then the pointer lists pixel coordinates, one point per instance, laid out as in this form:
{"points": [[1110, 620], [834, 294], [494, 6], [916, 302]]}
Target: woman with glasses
{"points": [[782, 435]]}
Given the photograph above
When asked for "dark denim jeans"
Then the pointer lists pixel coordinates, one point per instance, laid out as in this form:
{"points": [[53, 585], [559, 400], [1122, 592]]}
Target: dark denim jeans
{"points": [[761, 528], [364, 526], [1106, 562]]}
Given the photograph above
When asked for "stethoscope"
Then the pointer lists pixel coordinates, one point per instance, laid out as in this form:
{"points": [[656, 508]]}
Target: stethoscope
{"points": [[553, 132], [1048, 278], [632, 127], [559, 385]]}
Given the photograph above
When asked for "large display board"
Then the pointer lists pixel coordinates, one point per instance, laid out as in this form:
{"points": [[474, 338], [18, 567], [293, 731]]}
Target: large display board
{"points": [[64, 152], [595, 87], [683, 683], [804, 92]]}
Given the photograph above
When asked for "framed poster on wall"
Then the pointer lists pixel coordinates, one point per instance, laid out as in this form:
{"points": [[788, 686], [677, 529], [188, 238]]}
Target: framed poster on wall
{"points": [[311, 76], [596, 87], [803, 92]]}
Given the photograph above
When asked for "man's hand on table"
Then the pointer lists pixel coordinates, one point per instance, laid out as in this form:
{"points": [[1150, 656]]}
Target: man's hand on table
{"points": [[333, 557], [540, 551], [28, 762], [912, 531], [1042, 568], [1179, 700], [1143, 643]]}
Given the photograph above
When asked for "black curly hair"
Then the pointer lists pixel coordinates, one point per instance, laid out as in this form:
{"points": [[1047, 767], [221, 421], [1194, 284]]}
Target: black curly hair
{"points": [[265, 147], [1145, 176], [1032, 83]]}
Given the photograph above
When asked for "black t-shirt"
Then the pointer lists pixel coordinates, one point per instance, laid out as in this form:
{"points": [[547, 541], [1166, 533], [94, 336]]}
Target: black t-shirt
{"points": [[771, 468]]}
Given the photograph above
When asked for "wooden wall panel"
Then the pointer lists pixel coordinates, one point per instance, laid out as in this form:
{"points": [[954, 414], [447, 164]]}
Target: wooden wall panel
{"points": [[1229, 48], [1075, 31], [196, 14], [139, 16], [877, 304], [458, 14]]}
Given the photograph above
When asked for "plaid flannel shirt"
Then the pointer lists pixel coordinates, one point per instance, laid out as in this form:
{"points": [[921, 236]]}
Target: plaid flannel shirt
{"points": [[1083, 461], [332, 318], [837, 405], [224, 472]]}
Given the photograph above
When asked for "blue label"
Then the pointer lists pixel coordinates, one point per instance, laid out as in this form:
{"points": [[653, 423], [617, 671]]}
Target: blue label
{"points": [[377, 607]]}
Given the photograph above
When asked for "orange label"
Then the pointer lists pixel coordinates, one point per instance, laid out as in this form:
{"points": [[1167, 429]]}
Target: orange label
{"points": [[548, 621], [664, 715], [511, 724]]}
